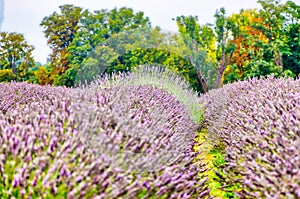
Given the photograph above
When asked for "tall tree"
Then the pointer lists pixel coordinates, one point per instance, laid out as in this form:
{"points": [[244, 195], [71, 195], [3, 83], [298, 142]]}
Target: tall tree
{"points": [[15, 53], [268, 41], [291, 52], [200, 41], [92, 33], [251, 44], [96, 64], [60, 29], [98, 29], [226, 30], [128, 49], [136, 38], [125, 19], [276, 16], [291, 57], [101, 25]]}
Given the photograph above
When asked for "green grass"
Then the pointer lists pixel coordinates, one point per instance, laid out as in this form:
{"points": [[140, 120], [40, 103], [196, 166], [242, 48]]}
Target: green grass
{"points": [[214, 158]]}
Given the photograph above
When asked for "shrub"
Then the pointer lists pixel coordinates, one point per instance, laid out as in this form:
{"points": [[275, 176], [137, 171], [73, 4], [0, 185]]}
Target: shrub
{"points": [[42, 76], [6, 75]]}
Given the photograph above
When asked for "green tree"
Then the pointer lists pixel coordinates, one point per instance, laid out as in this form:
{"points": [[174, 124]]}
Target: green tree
{"points": [[251, 57], [60, 29], [291, 52], [278, 49], [91, 34], [226, 30], [136, 38], [151, 46], [156, 56], [200, 41], [277, 16], [291, 57], [102, 56], [95, 30], [15, 54], [101, 25], [125, 19], [96, 64]]}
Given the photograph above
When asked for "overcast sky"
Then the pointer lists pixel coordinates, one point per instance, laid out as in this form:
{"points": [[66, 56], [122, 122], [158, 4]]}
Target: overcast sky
{"points": [[24, 16]]}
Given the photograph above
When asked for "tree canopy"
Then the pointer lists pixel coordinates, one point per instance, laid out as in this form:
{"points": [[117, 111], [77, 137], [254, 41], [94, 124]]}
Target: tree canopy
{"points": [[15, 55], [86, 44]]}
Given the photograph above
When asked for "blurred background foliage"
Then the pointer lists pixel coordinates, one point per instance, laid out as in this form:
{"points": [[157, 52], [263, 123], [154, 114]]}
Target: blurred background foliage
{"points": [[86, 44]]}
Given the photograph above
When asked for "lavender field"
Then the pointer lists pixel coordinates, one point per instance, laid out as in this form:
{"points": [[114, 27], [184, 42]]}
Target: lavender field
{"points": [[258, 123], [112, 139], [135, 136]]}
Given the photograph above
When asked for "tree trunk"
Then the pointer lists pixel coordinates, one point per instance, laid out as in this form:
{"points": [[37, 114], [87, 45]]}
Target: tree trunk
{"points": [[202, 82], [221, 68], [278, 59], [219, 78], [14, 67], [200, 77]]}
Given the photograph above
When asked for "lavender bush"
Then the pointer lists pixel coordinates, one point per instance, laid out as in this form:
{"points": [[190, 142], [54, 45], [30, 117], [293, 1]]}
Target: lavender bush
{"points": [[259, 122], [129, 141], [162, 78]]}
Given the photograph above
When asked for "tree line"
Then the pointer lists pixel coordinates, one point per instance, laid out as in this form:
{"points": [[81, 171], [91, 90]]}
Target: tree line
{"points": [[85, 44]]}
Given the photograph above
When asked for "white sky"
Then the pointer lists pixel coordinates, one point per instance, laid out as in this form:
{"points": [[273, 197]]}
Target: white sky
{"points": [[24, 16]]}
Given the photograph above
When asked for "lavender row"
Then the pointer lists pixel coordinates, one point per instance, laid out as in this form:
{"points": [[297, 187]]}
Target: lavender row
{"points": [[159, 77], [122, 141], [259, 121]]}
